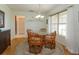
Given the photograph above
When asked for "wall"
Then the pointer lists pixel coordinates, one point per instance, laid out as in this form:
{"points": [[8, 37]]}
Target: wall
{"points": [[31, 22], [9, 22]]}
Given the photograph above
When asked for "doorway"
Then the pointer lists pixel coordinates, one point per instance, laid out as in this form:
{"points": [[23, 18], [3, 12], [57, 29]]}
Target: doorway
{"points": [[19, 25]]}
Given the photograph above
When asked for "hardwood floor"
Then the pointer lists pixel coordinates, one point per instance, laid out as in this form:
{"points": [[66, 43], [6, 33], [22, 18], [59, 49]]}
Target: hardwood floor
{"points": [[11, 49], [20, 40]]}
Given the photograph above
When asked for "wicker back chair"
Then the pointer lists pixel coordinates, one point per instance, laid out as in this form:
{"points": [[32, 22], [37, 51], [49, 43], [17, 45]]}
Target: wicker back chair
{"points": [[35, 43], [50, 40]]}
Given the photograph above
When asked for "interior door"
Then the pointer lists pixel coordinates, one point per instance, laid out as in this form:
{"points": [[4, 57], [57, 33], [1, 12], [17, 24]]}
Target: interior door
{"points": [[20, 25]]}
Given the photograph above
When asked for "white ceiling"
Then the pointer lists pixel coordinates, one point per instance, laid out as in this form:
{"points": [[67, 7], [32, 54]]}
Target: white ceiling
{"points": [[32, 7], [45, 9]]}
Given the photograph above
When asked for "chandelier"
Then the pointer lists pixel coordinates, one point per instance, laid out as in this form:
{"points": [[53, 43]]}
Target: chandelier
{"points": [[39, 14]]}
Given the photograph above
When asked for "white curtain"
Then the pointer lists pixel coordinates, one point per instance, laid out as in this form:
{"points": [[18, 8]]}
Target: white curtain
{"points": [[72, 30], [49, 24]]}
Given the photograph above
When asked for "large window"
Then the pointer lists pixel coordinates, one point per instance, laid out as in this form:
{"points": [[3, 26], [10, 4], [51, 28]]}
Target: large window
{"points": [[62, 23], [54, 23], [59, 23]]}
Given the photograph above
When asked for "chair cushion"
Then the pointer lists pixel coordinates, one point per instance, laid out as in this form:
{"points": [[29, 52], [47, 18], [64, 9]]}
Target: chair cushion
{"points": [[49, 37], [36, 40]]}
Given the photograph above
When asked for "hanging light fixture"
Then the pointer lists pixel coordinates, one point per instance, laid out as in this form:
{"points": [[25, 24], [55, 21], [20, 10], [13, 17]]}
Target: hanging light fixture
{"points": [[39, 14]]}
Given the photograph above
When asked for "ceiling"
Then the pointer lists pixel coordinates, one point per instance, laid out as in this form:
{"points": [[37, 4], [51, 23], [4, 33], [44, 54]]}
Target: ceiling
{"points": [[45, 9], [32, 7]]}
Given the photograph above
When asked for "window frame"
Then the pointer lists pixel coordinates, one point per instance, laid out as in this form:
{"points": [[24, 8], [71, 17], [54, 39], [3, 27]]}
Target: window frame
{"points": [[58, 23]]}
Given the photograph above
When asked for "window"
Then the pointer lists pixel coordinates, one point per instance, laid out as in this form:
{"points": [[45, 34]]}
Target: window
{"points": [[59, 23], [54, 23], [62, 23]]}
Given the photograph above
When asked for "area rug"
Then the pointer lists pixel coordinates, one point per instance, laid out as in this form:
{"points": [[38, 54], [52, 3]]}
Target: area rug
{"points": [[23, 49]]}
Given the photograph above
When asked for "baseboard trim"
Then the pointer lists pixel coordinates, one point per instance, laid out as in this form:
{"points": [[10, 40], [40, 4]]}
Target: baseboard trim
{"points": [[67, 52], [71, 52]]}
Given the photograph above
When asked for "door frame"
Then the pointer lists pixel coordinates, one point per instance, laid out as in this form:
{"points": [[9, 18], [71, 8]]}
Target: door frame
{"points": [[15, 25]]}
